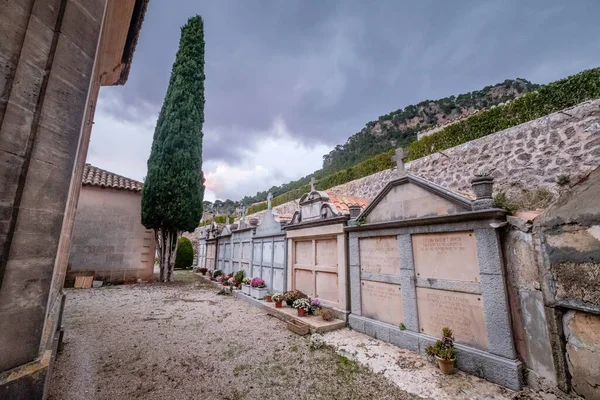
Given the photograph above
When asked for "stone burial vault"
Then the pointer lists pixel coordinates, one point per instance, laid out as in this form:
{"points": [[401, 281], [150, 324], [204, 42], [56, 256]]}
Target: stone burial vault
{"points": [[420, 259]]}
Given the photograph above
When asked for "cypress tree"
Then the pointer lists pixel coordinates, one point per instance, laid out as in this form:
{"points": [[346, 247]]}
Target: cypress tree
{"points": [[174, 186]]}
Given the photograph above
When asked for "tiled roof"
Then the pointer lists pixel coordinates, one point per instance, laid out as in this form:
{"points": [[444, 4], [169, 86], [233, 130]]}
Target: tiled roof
{"points": [[343, 202], [94, 176]]}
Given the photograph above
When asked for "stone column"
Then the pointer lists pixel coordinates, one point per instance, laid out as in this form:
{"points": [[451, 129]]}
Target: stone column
{"points": [[495, 297], [407, 283]]}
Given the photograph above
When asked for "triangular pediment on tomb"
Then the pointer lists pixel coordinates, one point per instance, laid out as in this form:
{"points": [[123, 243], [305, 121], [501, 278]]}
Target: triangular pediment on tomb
{"points": [[269, 226], [315, 205], [413, 197], [226, 231]]}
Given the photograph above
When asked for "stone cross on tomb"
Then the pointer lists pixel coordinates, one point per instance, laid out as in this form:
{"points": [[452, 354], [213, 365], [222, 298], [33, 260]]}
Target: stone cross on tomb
{"points": [[400, 154], [312, 184], [242, 211], [269, 197]]}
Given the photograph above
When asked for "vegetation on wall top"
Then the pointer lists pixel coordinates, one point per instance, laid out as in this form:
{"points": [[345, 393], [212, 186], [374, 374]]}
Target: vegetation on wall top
{"points": [[545, 100]]}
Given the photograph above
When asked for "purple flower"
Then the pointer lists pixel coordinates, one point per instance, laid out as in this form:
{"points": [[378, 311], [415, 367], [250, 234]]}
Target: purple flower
{"points": [[315, 302]]}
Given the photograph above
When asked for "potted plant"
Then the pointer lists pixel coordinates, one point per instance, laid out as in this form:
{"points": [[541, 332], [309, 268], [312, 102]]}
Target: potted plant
{"points": [[246, 285], [303, 306], [202, 270], [483, 185], [444, 352], [239, 278], [327, 315], [258, 288], [315, 306], [269, 297], [292, 295], [278, 299]]}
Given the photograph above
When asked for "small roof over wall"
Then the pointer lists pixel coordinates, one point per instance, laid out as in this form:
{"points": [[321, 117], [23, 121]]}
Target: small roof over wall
{"points": [[94, 176], [318, 207]]}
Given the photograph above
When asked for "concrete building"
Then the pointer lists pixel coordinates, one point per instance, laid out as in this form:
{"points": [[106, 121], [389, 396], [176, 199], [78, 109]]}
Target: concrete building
{"points": [[109, 241], [54, 57]]}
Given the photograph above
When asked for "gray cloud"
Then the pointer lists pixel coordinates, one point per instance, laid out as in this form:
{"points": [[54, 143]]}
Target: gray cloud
{"points": [[328, 67]]}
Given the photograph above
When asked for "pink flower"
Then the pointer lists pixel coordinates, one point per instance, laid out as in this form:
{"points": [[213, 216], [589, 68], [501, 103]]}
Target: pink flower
{"points": [[257, 283]]}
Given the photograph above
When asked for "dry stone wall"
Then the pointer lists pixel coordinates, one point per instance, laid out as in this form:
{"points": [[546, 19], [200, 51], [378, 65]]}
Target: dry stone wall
{"points": [[530, 155]]}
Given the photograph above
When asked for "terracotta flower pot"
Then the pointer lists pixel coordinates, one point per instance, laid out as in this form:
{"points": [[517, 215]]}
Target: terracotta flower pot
{"points": [[268, 299], [301, 312], [446, 366], [278, 304]]}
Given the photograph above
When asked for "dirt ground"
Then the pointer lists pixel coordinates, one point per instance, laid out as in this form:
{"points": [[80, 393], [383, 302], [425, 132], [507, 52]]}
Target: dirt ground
{"points": [[183, 341]]}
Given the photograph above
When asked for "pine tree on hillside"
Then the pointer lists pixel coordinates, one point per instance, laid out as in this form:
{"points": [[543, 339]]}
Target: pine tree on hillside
{"points": [[174, 188]]}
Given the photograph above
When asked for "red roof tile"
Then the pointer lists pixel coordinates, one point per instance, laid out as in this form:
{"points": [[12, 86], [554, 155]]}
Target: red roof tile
{"points": [[94, 176], [342, 203]]}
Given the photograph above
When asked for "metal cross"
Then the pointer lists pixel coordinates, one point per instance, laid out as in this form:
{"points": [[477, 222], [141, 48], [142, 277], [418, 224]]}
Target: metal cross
{"points": [[400, 154], [312, 184], [269, 197]]}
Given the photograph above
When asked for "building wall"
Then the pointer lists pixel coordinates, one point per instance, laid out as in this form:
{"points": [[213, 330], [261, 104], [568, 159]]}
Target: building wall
{"points": [[47, 58], [109, 240]]}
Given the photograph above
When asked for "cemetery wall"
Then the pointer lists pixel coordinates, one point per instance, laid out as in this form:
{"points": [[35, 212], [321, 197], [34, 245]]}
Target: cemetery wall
{"points": [[529, 155]]}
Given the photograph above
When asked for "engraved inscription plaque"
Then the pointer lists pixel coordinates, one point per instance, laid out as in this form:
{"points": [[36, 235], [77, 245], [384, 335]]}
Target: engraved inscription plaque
{"points": [[304, 252], [379, 255], [327, 252], [461, 312], [451, 256], [381, 301]]}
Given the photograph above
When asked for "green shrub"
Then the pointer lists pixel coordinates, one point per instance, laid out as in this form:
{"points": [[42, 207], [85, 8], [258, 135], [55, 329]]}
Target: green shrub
{"points": [[546, 100], [185, 253]]}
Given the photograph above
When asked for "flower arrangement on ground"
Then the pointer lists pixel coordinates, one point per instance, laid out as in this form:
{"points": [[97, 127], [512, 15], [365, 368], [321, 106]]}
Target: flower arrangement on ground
{"points": [[269, 297], [258, 288], [231, 281], [444, 352], [277, 298], [303, 306], [246, 285], [292, 295], [202, 270]]}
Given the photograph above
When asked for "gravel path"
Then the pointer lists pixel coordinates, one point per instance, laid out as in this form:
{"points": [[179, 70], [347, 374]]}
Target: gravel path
{"points": [[182, 341]]}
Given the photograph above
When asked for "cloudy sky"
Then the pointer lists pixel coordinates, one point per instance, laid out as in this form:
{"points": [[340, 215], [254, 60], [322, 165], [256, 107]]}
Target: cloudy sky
{"points": [[287, 80]]}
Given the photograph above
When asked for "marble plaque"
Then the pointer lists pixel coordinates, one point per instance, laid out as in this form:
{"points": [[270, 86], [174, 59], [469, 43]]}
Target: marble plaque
{"points": [[327, 252], [267, 250], [381, 301], [246, 247], [266, 275], [379, 255], [461, 312], [327, 286], [304, 281], [256, 254], [279, 254], [304, 252], [237, 251], [450, 256], [278, 280]]}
